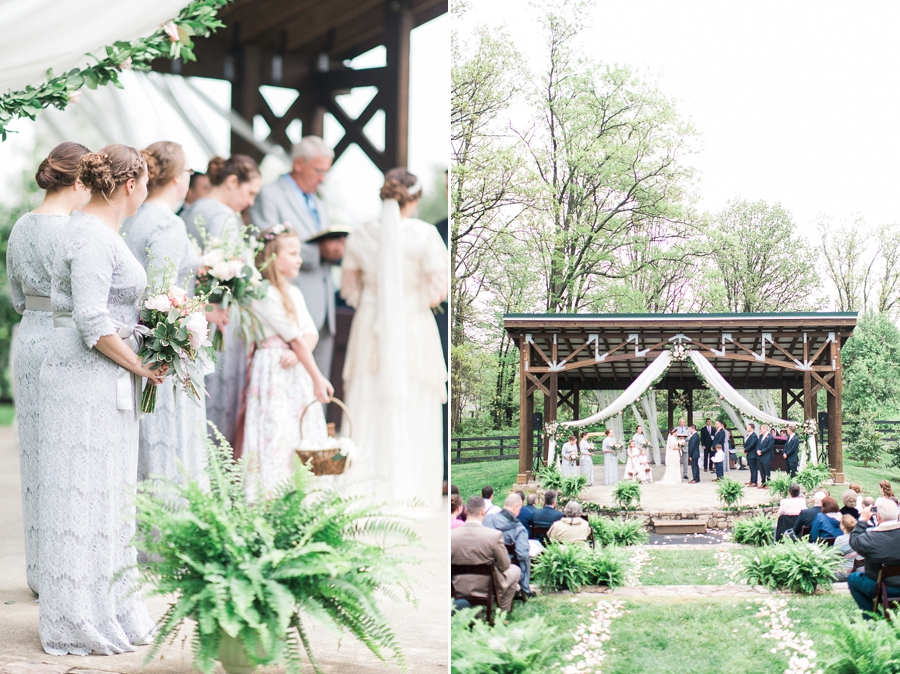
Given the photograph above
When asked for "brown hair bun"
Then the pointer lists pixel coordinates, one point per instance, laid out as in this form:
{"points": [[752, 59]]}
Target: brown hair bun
{"points": [[102, 172], [59, 168], [240, 165], [165, 161], [400, 185]]}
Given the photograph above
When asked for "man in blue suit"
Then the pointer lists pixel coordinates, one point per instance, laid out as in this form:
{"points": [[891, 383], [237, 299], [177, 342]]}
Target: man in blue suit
{"points": [[719, 439], [751, 442], [693, 451], [706, 439], [792, 451], [764, 448]]}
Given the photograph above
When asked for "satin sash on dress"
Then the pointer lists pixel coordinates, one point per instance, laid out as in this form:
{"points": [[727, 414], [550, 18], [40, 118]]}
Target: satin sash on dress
{"points": [[37, 303], [128, 384]]}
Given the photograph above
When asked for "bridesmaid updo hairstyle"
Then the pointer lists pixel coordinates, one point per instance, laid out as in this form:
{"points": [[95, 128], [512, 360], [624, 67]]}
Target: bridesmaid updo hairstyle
{"points": [[240, 165], [272, 239], [59, 168], [104, 171], [165, 161], [402, 186]]}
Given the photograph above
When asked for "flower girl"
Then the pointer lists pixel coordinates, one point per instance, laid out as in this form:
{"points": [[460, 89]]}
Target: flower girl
{"points": [[646, 471], [284, 379]]}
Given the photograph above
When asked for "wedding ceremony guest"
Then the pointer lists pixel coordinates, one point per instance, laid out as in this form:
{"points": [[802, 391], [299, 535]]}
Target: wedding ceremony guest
{"points": [[455, 490], [198, 188], [546, 516], [849, 500], [456, 507], [693, 451], [707, 433], [89, 424], [526, 515], [572, 528], [869, 502], [791, 451], [487, 493], [638, 438], [806, 516], [842, 543], [514, 533], [395, 380], [235, 182], [732, 450], [858, 490], [720, 437], [794, 504], [294, 199], [751, 442], [567, 456], [30, 251], [646, 470], [157, 237], [610, 460], [718, 462], [586, 459], [632, 463], [682, 432], [827, 524], [285, 384], [473, 544], [765, 448], [887, 492], [673, 460], [879, 545]]}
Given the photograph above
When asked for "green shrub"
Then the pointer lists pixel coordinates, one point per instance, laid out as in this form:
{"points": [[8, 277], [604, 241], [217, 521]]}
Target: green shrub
{"points": [[563, 566], [618, 531], [626, 493], [759, 530], [607, 569], [812, 477], [780, 484], [519, 647], [793, 565], [857, 646], [730, 492], [572, 486], [866, 444], [549, 477]]}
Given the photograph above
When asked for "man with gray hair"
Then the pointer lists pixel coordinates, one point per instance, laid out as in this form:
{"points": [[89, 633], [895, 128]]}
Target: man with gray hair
{"points": [[880, 546], [474, 544], [293, 200], [514, 533]]}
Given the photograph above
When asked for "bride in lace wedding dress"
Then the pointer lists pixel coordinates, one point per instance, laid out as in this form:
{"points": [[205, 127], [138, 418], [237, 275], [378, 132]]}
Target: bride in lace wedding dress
{"points": [[673, 459], [394, 272]]}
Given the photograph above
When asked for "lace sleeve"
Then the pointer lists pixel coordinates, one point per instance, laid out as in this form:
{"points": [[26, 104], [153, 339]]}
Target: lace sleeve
{"points": [[351, 275], [15, 285], [91, 265], [435, 267]]}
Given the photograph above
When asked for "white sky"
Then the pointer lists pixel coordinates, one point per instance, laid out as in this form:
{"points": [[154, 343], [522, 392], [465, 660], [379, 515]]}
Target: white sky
{"points": [[794, 102]]}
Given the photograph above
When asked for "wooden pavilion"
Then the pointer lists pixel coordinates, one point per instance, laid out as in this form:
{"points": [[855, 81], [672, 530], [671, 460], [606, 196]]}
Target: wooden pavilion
{"points": [[561, 355], [302, 45]]}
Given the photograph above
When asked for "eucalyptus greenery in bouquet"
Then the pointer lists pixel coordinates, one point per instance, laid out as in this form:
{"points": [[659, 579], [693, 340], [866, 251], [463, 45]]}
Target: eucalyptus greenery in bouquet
{"points": [[225, 276], [247, 568], [175, 332]]}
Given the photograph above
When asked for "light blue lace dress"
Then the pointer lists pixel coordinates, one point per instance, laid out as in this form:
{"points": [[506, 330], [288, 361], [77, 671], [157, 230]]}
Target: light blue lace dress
{"points": [[29, 261], [89, 450], [177, 428]]}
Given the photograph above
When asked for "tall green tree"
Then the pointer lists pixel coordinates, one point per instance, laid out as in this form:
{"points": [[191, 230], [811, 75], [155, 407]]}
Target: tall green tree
{"points": [[871, 368]]}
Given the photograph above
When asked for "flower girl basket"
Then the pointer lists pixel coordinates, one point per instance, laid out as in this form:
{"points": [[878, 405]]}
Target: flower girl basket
{"points": [[323, 461]]}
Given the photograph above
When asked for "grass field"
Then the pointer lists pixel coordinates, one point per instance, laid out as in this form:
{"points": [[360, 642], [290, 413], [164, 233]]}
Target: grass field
{"points": [[7, 414], [691, 567]]}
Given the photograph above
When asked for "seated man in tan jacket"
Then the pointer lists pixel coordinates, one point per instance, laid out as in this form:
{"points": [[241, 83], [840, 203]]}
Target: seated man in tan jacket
{"points": [[572, 528], [473, 543]]}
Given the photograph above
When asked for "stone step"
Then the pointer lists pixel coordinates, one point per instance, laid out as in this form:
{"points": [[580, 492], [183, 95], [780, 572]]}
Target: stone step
{"points": [[680, 526]]}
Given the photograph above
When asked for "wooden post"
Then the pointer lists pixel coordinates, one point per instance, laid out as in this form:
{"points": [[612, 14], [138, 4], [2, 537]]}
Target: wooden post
{"points": [[689, 394], [245, 97], [576, 400], [784, 401], [809, 398], [525, 449], [835, 423], [400, 21], [671, 409]]}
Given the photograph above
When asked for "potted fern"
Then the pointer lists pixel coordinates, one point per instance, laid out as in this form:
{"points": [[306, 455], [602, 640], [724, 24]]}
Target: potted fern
{"points": [[246, 569], [627, 494]]}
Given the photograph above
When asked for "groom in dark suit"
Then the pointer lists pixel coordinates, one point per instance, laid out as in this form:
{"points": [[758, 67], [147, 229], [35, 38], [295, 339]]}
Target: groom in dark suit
{"points": [[720, 437], [706, 439], [792, 451], [765, 448], [751, 442], [693, 450]]}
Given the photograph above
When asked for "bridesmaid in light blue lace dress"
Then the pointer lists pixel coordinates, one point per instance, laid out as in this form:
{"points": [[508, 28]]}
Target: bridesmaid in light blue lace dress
{"points": [[177, 428], [89, 424], [29, 260], [235, 184]]}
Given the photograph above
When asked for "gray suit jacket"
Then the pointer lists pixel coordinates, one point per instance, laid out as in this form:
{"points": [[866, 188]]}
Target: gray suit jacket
{"points": [[280, 202], [474, 543]]}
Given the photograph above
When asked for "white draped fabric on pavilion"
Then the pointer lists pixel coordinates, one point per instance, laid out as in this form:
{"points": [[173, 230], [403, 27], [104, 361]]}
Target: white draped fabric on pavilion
{"points": [[732, 401]]}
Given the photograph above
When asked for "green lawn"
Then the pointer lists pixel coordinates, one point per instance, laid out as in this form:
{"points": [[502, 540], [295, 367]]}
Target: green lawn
{"points": [[471, 477], [867, 478], [686, 635], [689, 567], [7, 414]]}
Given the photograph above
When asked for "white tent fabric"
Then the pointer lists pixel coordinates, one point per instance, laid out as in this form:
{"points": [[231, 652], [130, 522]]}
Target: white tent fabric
{"points": [[739, 424], [651, 428], [57, 34], [614, 423]]}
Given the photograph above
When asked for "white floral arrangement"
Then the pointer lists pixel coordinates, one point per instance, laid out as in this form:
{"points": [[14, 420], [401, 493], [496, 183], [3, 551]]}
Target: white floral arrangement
{"points": [[680, 352], [346, 446], [810, 427]]}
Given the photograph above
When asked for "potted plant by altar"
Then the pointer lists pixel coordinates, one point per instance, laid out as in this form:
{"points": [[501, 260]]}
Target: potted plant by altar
{"points": [[249, 570]]}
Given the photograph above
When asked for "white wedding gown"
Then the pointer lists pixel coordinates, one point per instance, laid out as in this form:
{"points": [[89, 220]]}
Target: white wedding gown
{"points": [[673, 462]]}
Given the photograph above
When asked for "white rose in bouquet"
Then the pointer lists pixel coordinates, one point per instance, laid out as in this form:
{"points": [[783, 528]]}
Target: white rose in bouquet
{"points": [[158, 303], [212, 258], [224, 271], [178, 294], [236, 266], [198, 329]]}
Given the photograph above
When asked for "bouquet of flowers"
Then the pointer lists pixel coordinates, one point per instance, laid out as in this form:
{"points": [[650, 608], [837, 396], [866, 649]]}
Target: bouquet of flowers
{"points": [[175, 333], [229, 281]]}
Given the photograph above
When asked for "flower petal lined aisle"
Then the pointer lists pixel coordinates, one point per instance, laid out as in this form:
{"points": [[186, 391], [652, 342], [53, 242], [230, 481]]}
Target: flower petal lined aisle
{"points": [[587, 656]]}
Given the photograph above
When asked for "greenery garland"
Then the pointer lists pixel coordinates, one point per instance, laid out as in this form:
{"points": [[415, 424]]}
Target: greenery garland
{"points": [[172, 40]]}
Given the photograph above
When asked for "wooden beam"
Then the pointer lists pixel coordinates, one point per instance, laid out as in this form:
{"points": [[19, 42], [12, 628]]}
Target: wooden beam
{"points": [[835, 421], [525, 449]]}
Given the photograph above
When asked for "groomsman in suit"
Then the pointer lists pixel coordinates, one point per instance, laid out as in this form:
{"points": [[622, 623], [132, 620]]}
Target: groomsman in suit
{"points": [[751, 442], [720, 437], [693, 453], [681, 432], [764, 448], [792, 451], [293, 199], [706, 439]]}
